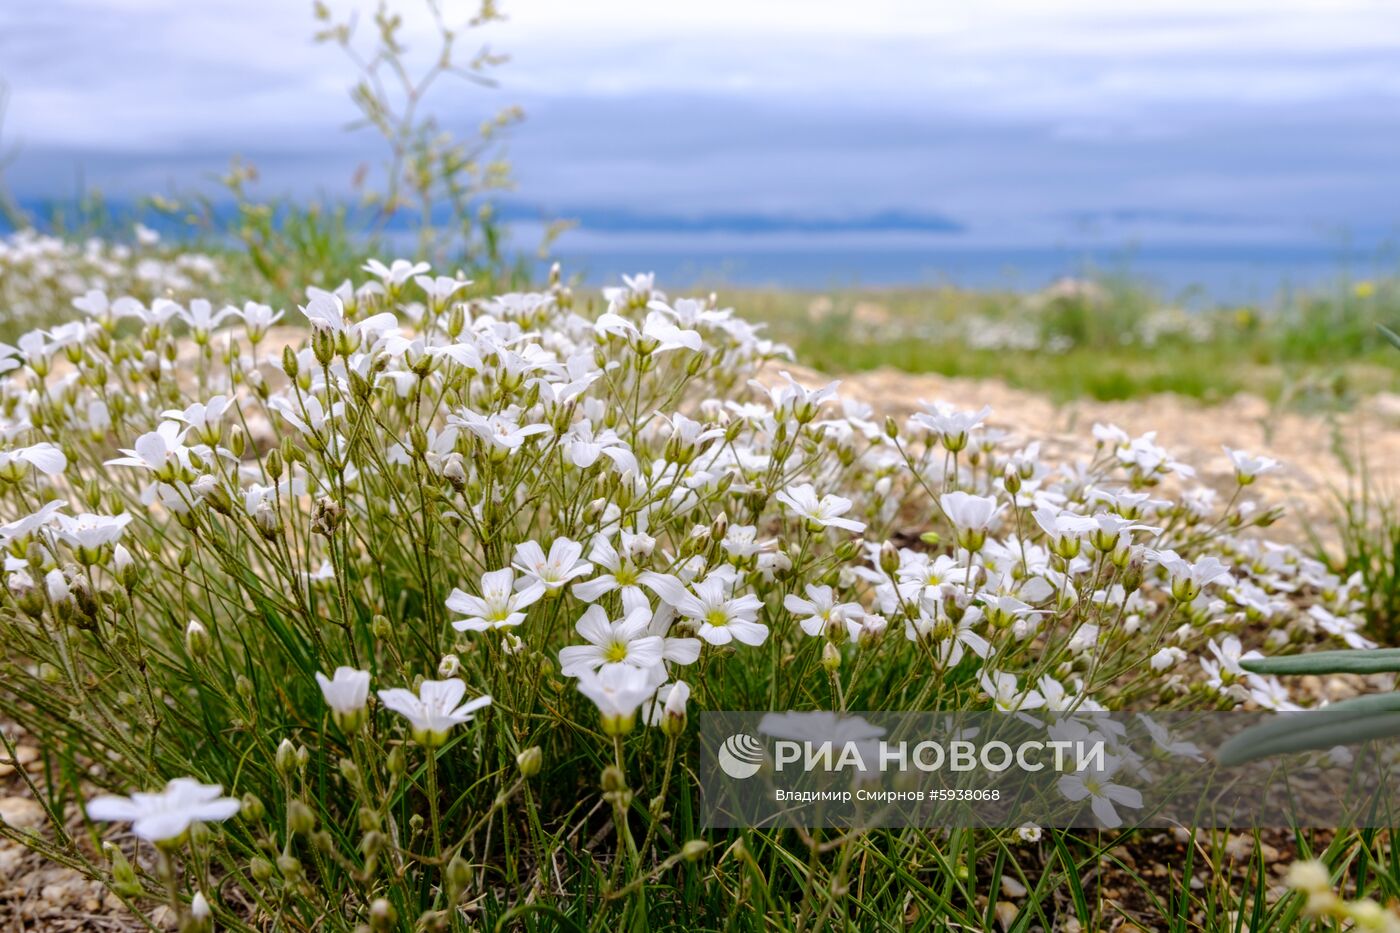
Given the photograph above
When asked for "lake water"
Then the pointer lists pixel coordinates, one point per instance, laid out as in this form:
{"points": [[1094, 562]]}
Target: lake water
{"points": [[1189, 274]]}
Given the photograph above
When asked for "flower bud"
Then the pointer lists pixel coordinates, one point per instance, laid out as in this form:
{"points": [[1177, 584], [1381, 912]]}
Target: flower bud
{"points": [[300, 819], [458, 876], [124, 880], [252, 809], [831, 658], [274, 464], [269, 525], [693, 849], [449, 666], [529, 761], [261, 869], [199, 910], [196, 640], [613, 779], [382, 916], [289, 866], [286, 760], [889, 558], [290, 366]]}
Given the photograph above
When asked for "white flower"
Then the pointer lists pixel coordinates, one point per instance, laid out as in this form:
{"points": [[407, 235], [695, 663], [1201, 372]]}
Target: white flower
{"points": [[45, 457], [674, 648], [951, 640], [741, 541], [617, 691], [624, 641], [1167, 658], [1114, 531], [1225, 668], [501, 432], [438, 288], [258, 318], [822, 512], [1189, 579], [201, 317], [950, 425], [563, 564], [202, 417], [1065, 530], [720, 618], [970, 516], [796, 399], [820, 612], [21, 527], [498, 606], [396, 273], [164, 816], [584, 446], [657, 334], [1162, 738], [1097, 785], [1248, 467], [434, 710], [346, 694], [622, 572], [326, 312], [88, 533], [1007, 694], [669, 705], [159, 451], [56, 585]]}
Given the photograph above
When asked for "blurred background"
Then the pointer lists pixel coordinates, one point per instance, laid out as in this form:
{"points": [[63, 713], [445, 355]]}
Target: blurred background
{"points": [[1078, 197], [1235, 145]]}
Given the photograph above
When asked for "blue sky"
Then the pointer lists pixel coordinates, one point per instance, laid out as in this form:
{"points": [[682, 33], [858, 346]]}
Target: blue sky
{"points": [[1023, 122]]}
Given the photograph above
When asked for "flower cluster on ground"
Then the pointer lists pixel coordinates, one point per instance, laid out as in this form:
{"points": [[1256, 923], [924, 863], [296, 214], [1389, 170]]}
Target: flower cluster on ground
{"points": [[370, 609]]}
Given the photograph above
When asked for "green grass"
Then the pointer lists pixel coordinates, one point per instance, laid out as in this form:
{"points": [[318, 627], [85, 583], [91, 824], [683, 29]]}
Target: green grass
{"points": [[1312, 350]]}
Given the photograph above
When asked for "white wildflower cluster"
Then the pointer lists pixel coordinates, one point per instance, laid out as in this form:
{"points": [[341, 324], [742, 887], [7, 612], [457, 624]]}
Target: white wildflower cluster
{"points": [[572, 515], [39, 272]]}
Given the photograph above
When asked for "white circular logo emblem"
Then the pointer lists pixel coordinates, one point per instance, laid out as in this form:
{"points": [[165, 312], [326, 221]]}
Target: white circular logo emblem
{"points": [[741, 756]]}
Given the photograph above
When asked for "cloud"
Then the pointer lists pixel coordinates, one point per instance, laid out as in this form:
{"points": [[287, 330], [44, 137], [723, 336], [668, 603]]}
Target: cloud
{"points": [[998, 114]]}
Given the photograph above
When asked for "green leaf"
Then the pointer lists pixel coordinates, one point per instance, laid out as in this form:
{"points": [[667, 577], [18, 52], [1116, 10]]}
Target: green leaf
{"points": [[1359, 661], [1389, 334], [1347, 723]]}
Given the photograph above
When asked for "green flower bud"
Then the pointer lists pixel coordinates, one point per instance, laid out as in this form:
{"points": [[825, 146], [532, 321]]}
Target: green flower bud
{"points": [[693, 849], [382, 915], [613, 779], [300, 819], [529, 761], [261, 869], [124, 880], [286, 758], [458, 875], [197, 640], [252, 809]]}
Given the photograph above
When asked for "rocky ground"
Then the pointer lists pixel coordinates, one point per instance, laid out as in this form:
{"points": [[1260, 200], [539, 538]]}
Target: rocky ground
{"points": [[1322, 455]]}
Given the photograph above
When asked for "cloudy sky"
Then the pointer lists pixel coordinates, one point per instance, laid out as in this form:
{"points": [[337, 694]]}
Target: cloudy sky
{"points": [[1019, 121]]}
